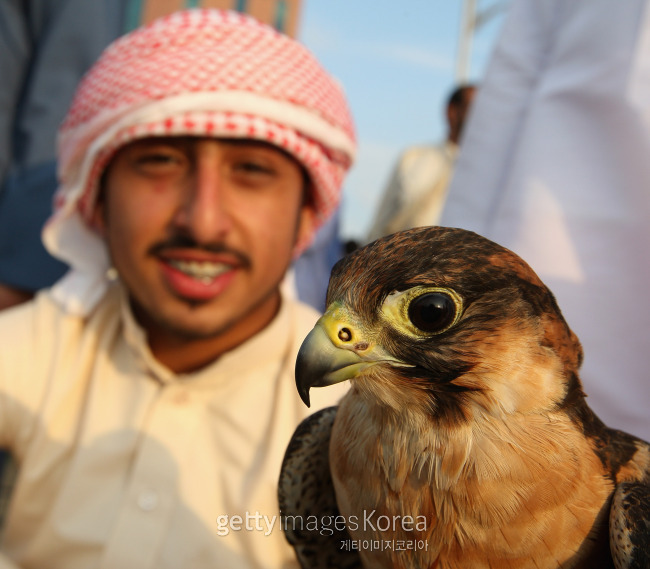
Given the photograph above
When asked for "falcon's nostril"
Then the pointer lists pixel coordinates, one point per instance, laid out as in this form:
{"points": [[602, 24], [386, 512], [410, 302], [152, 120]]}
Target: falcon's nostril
{"points": [[345, 335]]}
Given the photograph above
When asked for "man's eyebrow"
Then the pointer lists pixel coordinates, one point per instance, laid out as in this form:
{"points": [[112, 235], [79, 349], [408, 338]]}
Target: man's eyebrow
{"points": [[263, 144]]}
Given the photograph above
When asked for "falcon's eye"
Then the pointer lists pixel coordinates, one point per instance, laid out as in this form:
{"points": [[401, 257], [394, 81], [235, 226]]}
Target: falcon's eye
{"points": [[433, 312], [423, 311]]}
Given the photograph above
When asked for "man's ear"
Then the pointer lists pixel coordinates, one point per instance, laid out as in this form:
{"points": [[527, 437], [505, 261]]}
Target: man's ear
{"points": [[307, 213], [98, 219], [306, 222]]}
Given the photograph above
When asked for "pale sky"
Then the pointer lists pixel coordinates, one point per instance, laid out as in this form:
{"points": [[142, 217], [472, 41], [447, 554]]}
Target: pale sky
{"points": [[396, 60]]}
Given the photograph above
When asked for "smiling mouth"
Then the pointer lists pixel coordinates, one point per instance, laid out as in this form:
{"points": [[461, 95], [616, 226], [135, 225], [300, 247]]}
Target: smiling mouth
{"points": [[203, 271]]}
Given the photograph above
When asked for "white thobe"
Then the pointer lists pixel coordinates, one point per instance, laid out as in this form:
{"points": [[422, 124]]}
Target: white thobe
{"points": [[555, 165]]}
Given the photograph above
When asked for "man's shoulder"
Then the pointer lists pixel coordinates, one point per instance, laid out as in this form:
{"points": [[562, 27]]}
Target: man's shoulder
{"points": [[25, 317], [29, 334], [42, 323]]}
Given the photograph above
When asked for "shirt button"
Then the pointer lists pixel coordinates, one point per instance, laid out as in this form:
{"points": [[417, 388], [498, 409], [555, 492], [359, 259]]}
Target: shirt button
{"points": [[148, 500]]}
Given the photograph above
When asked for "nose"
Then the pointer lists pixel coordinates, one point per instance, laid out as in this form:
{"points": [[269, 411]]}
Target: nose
{"points": [[204, 210]]}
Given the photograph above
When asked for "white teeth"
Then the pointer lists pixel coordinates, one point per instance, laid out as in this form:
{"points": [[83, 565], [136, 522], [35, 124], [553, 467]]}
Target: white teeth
{"points": [[203, 271]]}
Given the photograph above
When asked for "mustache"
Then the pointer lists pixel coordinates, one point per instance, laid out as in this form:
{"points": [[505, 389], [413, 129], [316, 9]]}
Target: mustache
{"points": [[186, 242]]}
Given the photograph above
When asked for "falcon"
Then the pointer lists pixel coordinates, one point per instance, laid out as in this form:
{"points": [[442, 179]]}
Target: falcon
{"points": [[465, 440]]}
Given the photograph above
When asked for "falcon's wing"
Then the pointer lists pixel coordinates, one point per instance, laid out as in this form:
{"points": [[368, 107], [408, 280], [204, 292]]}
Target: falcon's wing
{"points": [[310, 517], [630, 526]]}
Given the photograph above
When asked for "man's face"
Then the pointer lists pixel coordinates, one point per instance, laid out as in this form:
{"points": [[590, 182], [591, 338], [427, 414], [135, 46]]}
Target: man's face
{"points": [[457, 115], [201, 232]]}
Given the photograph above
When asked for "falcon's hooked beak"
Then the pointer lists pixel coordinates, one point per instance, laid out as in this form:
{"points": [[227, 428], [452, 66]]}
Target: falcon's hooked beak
{"points": [[336, 349]]}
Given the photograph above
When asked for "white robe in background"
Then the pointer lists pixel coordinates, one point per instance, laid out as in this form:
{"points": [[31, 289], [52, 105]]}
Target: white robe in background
{"points": [[555, 165]]}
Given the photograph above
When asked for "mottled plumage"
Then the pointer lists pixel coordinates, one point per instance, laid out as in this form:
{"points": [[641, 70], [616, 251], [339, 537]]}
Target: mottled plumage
{"points": [[465, 410]]}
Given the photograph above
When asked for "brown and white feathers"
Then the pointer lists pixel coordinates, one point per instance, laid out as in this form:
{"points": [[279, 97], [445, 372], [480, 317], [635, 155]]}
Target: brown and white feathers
{"points": [[466, 418]]}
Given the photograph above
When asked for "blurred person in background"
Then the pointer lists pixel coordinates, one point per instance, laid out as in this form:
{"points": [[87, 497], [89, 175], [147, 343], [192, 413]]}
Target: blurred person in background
{"points": [[418, 185], [45, 48], [555, 165]]}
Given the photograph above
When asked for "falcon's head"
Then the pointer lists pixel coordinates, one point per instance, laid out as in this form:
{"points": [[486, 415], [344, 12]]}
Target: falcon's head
{"points": [[446, 321]]}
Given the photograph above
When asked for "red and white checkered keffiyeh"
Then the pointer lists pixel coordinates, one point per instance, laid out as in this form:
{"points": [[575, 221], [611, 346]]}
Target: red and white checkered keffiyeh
{"points": [[197, 72]]}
